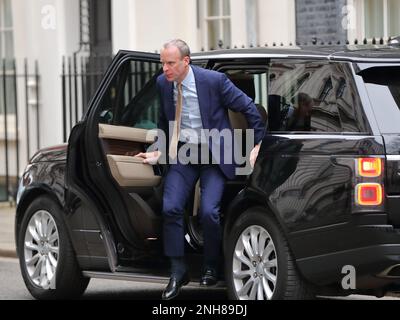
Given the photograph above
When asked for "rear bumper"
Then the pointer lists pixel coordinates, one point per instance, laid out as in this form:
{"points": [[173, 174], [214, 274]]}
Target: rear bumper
{"points": [[393, 208], [374, 262], [373, 251]]}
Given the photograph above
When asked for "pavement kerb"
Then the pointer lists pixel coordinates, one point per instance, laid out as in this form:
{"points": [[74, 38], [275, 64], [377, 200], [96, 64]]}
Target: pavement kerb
{"points": [[8, 253], [6, 205], [7, 237]]}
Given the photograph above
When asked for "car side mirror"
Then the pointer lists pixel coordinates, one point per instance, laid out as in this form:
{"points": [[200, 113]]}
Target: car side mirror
{"points": [[106, 116]]}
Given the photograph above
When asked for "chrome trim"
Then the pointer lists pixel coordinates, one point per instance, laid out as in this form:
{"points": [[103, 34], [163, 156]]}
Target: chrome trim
{"points": [[393, 157], [333, 57], [328, 56], [385, 273], [124, 276], [256, 55]]}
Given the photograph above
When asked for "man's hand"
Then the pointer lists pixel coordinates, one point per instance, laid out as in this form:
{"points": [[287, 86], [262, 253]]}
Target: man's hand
{"points": [[254, 155], [150, 157]]}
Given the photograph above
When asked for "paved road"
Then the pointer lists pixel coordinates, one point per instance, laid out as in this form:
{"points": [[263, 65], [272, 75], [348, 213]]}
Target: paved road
{"points": [[12, 287]]}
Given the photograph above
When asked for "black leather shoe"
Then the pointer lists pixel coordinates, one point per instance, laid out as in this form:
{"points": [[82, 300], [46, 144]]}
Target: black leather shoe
{"points": [[174, 286], [209, 278]]}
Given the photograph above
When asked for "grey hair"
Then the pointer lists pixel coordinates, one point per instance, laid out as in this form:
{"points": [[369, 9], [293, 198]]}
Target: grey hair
{"points": [[180, 44]]}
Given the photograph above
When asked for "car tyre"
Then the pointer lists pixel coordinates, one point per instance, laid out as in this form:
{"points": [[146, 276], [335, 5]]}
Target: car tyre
{"points": [[47, 260], [258, 261]]}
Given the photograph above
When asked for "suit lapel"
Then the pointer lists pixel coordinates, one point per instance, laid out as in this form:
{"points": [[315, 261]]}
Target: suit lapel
{"points": [[169, 101], [203, 95]]}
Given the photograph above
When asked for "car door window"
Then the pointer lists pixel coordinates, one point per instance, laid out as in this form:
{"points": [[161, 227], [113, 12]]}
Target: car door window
{"points": [[132, 99], [313, 96]]}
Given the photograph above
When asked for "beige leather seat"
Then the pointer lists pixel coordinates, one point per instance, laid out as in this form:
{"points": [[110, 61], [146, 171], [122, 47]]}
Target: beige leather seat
{"points": [[127, 170]]}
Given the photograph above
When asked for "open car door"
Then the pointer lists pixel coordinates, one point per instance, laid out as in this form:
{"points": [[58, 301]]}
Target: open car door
{"points": [[122, 122]]}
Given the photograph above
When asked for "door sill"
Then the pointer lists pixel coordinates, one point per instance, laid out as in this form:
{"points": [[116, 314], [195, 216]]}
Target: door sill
{"points": [[138, 277]]}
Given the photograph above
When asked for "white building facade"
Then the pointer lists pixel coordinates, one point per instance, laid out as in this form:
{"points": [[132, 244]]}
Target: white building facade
{"points": [[145, 25], [48, 30]]}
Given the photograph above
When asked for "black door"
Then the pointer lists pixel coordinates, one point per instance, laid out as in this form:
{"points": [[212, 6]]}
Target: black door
{"points": [[120, 124], [100, 44], [100, 27]]}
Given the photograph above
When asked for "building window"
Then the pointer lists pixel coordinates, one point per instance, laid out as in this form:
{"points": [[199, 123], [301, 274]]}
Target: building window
{"points": [[6, 56], [381, 18], [393, 18], [217, 23], [6, 31]]}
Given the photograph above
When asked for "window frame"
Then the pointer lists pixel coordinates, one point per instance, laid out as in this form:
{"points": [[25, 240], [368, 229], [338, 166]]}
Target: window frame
{"points": [[385, 21], [119, 109], [4, 30], [220, 18], [6, 61]]}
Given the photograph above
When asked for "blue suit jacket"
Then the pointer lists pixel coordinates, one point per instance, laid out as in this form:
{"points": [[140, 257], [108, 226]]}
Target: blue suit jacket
{"points": [[216, 94]]}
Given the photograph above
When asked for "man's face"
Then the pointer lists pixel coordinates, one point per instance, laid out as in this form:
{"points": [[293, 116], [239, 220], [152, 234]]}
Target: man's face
{"points": [[175, 67]]}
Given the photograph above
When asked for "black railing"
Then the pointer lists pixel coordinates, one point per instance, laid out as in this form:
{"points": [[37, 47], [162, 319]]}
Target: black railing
{"points": [[313, 42], [79, 79], [19, 106]]}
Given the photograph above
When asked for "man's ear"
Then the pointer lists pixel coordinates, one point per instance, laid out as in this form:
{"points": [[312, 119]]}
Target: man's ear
{"points": [[186, 60]]}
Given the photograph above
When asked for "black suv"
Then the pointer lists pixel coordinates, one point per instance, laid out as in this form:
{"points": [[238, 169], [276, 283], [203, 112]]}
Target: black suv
{"points": [[318, 214]]}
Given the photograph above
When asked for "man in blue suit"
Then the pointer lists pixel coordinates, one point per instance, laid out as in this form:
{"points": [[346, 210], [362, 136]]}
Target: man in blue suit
{"points": [[194, 100]]}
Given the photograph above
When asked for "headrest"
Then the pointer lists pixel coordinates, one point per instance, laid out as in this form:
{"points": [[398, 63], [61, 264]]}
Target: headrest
{"points": [[245, 83]]}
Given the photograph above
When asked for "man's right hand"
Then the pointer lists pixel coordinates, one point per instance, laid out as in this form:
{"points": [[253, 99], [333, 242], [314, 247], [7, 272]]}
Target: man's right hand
{"points": [[150, 157]]}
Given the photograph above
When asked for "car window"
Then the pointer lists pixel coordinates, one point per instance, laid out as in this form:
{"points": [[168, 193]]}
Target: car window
{"points": [[251, 81], [383, 87], [132, 99], [314, 96]]}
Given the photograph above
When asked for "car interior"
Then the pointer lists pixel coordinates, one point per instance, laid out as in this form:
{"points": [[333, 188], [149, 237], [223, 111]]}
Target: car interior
{"points": [[141, 184], [119, 144]]}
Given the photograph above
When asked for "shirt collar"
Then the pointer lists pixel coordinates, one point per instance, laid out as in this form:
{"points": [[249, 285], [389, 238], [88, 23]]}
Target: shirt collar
{"points": [[189, 79]]}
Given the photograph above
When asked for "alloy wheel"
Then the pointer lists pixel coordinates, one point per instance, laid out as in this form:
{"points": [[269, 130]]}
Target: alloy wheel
{"points": [[41, 249], [255, 267]]}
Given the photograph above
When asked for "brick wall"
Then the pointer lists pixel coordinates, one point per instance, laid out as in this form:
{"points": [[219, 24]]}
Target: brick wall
{"points": [[321, 19]]}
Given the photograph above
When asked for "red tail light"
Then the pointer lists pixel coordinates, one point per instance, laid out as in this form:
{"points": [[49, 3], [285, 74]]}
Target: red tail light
{"points": [[369, 194], [369, 167]]}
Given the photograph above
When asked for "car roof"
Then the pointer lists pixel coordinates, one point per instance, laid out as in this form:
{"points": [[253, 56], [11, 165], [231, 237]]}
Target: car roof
{"points": [[353, 53]]}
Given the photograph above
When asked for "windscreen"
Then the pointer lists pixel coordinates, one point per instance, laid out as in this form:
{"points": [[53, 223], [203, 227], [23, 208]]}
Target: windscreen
{"points": [[383, 87]]}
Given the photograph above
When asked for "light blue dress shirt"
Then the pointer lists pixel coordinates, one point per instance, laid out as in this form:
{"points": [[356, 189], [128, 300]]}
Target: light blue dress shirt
{"points": [[191, 125]]}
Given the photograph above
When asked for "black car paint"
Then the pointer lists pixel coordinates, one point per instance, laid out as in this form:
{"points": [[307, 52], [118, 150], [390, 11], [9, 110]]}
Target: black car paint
{"points": [[392, 143], [367, 240]]}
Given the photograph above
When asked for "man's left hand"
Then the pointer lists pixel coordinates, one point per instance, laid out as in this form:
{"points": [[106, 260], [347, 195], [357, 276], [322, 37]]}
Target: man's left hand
{"points": [[254, 155], [150, 157]]}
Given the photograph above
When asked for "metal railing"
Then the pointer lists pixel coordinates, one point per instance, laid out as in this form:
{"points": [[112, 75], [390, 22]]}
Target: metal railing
{"points": [[19, 107], [313, 42], [79, 79]]}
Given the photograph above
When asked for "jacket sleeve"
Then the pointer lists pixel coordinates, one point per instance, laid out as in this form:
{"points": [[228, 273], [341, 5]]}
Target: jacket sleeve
{"points": [[236, 100]]}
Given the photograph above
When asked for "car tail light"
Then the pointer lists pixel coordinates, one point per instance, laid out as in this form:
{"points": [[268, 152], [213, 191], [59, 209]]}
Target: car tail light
{"points": [[369, 167], [369, 194]]}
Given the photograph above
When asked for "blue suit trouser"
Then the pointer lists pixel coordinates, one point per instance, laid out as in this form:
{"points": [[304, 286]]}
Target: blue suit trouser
{"points": [[179, 185]]}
